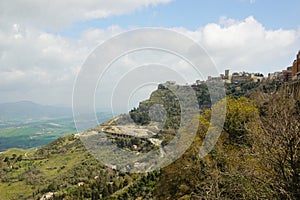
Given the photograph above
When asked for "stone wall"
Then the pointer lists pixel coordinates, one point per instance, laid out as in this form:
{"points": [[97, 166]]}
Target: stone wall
{"points": [[293, 89]]}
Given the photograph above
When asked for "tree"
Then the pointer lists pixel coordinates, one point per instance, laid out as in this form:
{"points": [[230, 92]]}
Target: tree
{"points": [[240, 112], [278, 145], [6, 159], [20, 157], [14, 156]]}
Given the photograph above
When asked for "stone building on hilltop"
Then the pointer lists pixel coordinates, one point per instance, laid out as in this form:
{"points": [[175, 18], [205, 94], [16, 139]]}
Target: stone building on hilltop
{"points": [[296, 67], [241, 77], [292, 72]]}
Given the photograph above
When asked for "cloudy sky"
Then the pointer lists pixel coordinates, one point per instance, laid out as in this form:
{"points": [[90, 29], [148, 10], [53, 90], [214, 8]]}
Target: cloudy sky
{"points": [[43, 44]]}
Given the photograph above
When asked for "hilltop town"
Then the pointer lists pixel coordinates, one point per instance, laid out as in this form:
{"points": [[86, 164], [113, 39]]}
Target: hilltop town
{"points": [[291, 73]]}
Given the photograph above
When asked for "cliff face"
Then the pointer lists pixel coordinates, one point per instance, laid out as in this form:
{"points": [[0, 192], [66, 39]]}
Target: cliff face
{"points": [[292, 89]]}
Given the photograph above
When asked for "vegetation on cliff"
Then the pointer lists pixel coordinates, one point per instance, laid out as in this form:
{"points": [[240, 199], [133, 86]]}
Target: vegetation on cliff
{"points": [[256, 157]]}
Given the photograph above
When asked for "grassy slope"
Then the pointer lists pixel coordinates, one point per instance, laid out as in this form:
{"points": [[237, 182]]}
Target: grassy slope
{"points": [[60, 165], [39, 168]]}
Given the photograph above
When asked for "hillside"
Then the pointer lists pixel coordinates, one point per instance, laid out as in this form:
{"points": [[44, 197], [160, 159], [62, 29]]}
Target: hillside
{"points": [[252, 159], [63, 167]]}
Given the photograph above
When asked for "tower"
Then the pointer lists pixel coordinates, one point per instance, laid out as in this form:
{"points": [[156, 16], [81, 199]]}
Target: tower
{"points": [[226, 73]]}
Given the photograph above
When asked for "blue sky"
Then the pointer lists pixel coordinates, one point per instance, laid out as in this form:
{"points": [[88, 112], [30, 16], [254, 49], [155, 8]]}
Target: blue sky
{"points": [[193, 14]]}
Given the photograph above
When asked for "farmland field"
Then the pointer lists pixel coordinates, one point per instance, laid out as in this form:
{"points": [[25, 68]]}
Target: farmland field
{"points": [[35, 133]]}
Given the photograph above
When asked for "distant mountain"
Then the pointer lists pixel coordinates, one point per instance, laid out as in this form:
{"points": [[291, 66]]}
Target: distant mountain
{"points": [[28, 109]]}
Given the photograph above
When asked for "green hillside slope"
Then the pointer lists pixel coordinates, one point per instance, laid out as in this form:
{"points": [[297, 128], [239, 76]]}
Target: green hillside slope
{"points": [[256, 157]]}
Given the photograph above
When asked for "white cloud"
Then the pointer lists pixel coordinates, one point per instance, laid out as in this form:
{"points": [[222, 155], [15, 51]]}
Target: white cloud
{"points": [[40, 66], [249, 1], [57, 13], [247, 44]]}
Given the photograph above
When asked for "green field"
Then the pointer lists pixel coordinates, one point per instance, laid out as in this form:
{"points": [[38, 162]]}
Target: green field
{"points": [[34, 134]]}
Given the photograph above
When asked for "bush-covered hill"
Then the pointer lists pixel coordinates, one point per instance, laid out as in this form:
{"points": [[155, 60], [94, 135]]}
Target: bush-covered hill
{"points": [[65, 168], [256, 157]]}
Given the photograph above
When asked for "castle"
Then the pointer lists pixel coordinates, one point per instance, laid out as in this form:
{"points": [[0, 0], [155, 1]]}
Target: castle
{"points": [[237, 77], [290, 73]]}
